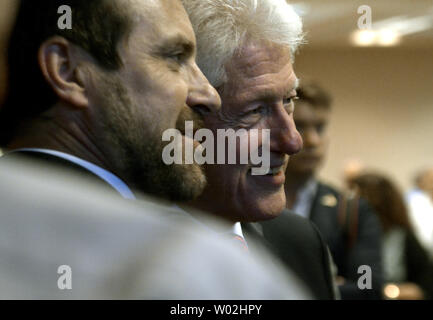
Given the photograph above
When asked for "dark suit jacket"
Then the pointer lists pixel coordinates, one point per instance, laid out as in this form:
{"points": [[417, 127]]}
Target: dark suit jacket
{"points": [[298, 244], [365, 251], [419, 267]]}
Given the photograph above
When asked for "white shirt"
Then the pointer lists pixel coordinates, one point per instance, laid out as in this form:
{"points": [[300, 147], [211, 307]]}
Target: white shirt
{"points": [[235, 229], [304, 198], [421, 215]]}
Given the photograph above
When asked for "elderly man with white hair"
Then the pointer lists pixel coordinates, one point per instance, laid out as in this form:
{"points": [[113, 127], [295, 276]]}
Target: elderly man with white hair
{"points": [[246, 49]]}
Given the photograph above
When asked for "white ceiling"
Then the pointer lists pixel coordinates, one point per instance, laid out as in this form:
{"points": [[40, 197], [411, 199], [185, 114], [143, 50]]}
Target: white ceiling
{"points": [[330, 22]]}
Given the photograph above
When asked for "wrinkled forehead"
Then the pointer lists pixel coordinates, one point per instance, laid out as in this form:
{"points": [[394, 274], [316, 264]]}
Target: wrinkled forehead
{"points": [[155, 19], [255, 53], [258, 62], [259, 70]]}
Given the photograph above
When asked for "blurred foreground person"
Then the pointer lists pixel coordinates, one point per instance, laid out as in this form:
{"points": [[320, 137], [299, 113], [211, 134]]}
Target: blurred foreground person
{"points": [[97, 98], [350, 228], [246, 50], [63, 237], [408, 271], [420, 202]]}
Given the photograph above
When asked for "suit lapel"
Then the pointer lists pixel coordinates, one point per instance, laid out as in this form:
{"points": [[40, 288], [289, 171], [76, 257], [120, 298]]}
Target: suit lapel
{"points": [[252, 231], [324, 200]]}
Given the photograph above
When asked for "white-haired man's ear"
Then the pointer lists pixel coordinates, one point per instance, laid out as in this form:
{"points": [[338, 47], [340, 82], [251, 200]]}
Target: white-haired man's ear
{"points": [[59, 62]]}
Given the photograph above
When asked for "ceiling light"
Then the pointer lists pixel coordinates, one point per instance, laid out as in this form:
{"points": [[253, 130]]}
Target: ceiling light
{"points": [[364, 37], [387, 37]]}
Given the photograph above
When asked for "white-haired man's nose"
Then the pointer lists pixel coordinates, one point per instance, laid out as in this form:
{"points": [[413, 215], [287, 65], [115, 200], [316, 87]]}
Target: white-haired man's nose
{"points": [[284, 136]]}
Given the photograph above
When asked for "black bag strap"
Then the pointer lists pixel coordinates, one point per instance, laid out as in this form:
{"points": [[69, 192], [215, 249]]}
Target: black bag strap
{"points": [[348, 217]]}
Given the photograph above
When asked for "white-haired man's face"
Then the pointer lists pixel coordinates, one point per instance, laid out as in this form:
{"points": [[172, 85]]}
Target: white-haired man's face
{"points": [[259, 92]]}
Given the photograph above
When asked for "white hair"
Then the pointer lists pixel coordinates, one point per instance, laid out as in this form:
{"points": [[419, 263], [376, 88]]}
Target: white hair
{"points": [[222, 25]]}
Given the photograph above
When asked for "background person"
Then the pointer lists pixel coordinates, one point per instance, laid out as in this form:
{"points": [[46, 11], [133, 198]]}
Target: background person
{"points": [[406, 263], [353, 231], [420, 203]]}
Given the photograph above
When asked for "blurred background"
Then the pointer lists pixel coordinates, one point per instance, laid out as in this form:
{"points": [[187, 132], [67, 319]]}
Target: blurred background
{"points": [[381, 82]]}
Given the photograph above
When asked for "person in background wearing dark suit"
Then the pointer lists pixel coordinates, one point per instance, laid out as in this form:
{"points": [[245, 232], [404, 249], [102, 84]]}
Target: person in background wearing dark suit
{"points": [[350, 228], [246, 49], [97, 97], [420, 204]]}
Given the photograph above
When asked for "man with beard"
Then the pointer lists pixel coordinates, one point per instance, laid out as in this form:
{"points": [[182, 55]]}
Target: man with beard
{"points": [[246, 49], [96, 98]]}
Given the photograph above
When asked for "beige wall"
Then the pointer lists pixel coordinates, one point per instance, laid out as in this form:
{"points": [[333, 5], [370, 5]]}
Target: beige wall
{"points": [[383, 108]]}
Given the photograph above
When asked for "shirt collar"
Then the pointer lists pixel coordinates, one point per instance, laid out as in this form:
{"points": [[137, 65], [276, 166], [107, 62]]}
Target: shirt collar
{"points": [[304, 198], [232, 229], [105, 175]]}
